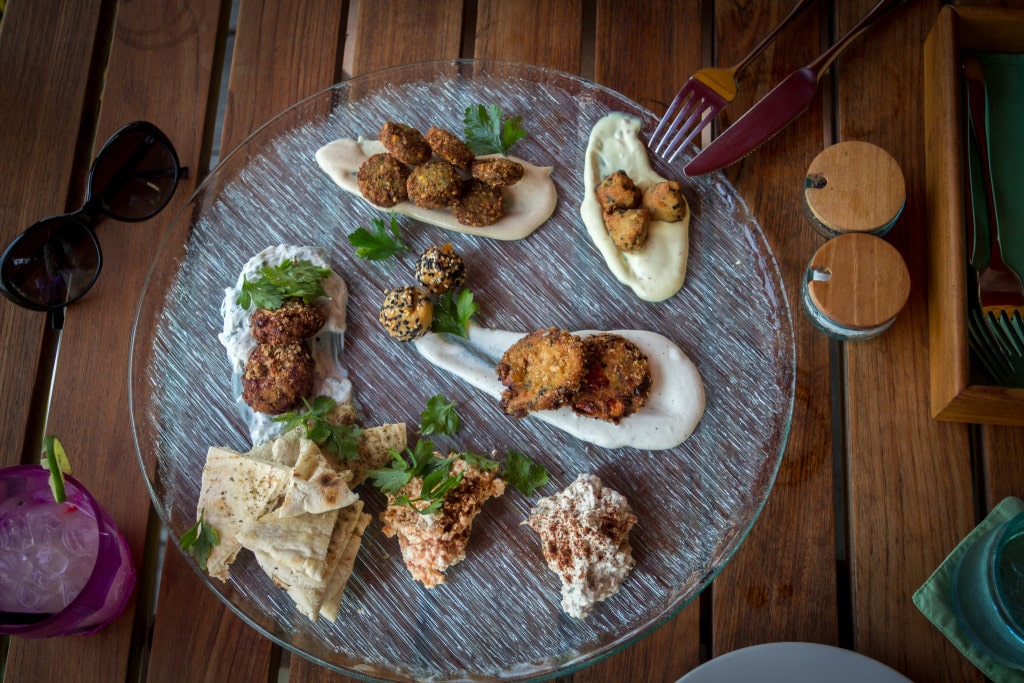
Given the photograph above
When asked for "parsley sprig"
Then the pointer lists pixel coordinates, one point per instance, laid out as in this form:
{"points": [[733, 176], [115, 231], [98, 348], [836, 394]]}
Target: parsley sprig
{"points": [[380, 244], [487, 132], [200, 540], [420, 461], [439, 417], [523, 473], [287, 280], [452, 312], [341, 441]]}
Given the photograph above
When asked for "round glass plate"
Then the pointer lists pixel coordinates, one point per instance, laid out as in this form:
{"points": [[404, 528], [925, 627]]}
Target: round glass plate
{"points": [[498, 615]]}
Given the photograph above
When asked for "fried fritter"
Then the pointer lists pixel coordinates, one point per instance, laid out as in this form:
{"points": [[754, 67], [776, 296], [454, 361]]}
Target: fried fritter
{"points": [[617, 192], [497, 172], [406, 313], [479, 205], [277, 377], [627, 228], [617, 381], [665, 201], [449, 147], [405, 143], [541, 370], [440, 269], [289, 324], [382, 180], [434, 185]]}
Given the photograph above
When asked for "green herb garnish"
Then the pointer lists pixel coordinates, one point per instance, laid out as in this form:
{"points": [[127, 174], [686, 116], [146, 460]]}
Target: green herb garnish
{"points": [[439, 417], [523, 473], [417, 462], [200, 540], [479, 461], [453, 311], [56, 461], [379, 244], [287, 280], [487, 133], [341, 441]]}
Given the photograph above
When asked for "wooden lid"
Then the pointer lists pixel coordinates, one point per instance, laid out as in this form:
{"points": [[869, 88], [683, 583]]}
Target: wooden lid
{"points": [[855, 187], [858, 281]]}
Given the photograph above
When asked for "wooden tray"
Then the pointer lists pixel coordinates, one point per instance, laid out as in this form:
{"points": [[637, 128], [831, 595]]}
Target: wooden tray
{"points": [[953, 397]]}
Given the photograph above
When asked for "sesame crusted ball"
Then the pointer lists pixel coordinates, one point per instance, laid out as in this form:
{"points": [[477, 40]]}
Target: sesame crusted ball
{"points": [[440, 269], [405, 143], [406, 313]]}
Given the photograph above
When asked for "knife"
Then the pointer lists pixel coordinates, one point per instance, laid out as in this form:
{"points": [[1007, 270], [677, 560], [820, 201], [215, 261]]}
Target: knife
{"points": [[782, 104]]}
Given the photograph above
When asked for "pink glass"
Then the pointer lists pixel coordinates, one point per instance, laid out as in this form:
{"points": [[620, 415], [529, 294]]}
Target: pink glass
{"points": [[25, 494]]}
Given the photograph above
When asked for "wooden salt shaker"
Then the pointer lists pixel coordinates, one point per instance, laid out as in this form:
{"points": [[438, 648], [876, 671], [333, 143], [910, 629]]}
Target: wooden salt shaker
{"points": [[854, 287], [854, 187]]}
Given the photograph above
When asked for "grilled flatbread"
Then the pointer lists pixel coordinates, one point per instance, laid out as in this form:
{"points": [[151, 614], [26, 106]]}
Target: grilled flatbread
{"points": [[315, 485], [374, 446], [298, 544], [236, 490], [338, 581]]}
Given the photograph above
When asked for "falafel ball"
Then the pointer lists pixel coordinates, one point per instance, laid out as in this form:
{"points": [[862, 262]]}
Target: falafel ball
{"points": [[406, 313], [665, 201], [617, 381], [293, 322], [479, 205], [498, 171], [434, 185], [382, 180], [627, 228], [542, 371], [449, 147], [618, 191], [277, 377], [440, 269], [405, 143]]}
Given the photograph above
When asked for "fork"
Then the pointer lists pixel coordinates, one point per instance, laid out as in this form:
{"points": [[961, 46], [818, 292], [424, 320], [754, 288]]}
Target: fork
{"points": [[704, 95], [999, 287]]}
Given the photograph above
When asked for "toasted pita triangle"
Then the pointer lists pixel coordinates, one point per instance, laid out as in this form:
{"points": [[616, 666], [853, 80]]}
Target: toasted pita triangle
{"points": [[297, 543], [337, 582], [315, 486]]}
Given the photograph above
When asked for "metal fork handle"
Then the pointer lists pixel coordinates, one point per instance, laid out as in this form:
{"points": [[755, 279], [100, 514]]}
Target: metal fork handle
{"points": [[767, 40], [819, 65]]}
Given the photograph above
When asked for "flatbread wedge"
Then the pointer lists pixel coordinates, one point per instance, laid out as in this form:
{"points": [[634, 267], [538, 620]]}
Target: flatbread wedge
{"points": [[298, 544], [315, 485]]}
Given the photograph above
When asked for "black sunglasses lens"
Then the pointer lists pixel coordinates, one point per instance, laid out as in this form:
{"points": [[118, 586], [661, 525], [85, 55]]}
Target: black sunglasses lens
{"points": [[52, 263], [135, 174]]}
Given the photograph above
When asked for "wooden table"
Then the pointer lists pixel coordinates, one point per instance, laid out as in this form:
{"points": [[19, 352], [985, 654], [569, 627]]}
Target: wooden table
{"points": [[872, 493]]}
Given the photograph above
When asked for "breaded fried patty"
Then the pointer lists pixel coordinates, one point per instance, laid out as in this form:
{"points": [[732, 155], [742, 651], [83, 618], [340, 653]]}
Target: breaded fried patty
{"points": [[479, 205], [497, 172], [541, 370], [405, 143], [617, 192], [434, 185], [665, 201], [277, 377], [617, 381], [289, 324], [382, 180], [449, 147]]}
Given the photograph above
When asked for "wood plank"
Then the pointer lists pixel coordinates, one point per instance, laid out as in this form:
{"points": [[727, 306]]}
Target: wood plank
{"points": [[97, 433], [273, 42], [1003, 452], [408, 31], [644, 35], [38, 144], [788, 561], [895, 450], [541, 32]]}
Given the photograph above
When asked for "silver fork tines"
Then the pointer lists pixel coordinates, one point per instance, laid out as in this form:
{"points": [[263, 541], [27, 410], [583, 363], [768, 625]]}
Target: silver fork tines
{"points": [[687, 116]]}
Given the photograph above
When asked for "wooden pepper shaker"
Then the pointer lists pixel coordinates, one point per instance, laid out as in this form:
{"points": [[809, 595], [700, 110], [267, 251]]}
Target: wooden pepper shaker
{"points": [[854, 187], [854, 287]]}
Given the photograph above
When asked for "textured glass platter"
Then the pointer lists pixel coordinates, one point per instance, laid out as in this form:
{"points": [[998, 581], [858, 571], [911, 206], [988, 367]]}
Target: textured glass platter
{"points": [[498, 615]]}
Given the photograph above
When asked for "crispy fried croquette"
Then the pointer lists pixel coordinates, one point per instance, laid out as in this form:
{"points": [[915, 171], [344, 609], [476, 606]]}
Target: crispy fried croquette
{"points": [[440, 269], [617, 192], [627, 228], [665, 201], [497, 172], [449, 147], [479, 205], [434, 185], [406, 313], [289, 324], [405, 143], [617, 381], [277, 377], [382, 180], [541, 370]]}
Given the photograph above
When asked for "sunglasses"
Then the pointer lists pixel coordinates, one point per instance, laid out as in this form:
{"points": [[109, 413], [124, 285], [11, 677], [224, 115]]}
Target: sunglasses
{"points": [[55, 262]]}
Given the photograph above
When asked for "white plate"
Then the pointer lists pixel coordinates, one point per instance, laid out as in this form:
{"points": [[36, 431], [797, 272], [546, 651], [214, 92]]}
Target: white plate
{"points": [[793, 663]]}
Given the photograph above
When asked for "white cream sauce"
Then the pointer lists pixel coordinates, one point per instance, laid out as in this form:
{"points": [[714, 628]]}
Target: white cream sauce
{"points": [[671, 414], [528, 203], [330, 379], [657, 270]]}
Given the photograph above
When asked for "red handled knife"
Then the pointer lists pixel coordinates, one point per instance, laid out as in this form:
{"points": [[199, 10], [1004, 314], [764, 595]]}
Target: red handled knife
{"points": [[785, 102]]}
